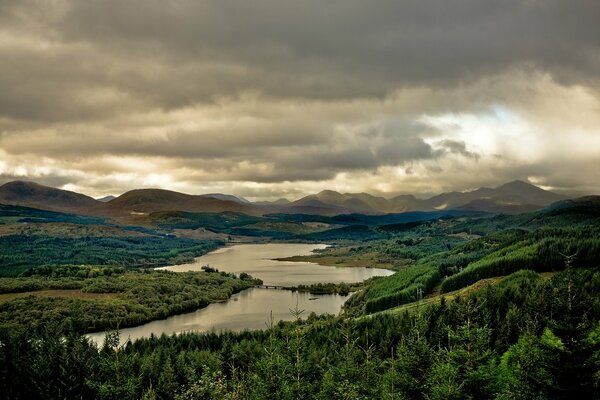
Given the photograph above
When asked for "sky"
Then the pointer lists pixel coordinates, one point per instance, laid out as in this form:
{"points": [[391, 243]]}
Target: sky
{"points": [[275, 98]]}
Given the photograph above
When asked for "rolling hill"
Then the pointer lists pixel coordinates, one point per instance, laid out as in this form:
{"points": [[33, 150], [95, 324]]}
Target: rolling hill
{"points": [[152, 200], [31, 194], [511, 198]]}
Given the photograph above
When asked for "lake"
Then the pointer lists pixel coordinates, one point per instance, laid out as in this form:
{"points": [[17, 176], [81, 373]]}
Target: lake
{"points": [[258, 261], [251, 308]]}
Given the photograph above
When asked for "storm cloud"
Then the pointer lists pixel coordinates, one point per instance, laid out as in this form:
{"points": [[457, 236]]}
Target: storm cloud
{"points": [[278, 98]]}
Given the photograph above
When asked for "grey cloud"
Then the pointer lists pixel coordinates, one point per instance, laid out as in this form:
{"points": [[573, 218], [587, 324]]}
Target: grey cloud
{"points": [[270, 152], [273, 92], [457, 147], [402, 41], [171, 54], [48, 180]]}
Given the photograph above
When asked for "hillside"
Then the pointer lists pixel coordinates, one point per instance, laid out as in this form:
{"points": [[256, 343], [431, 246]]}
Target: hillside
{"points": [[106, 199], [153, 200], [511, 198], [31, 194], [516, 193]]}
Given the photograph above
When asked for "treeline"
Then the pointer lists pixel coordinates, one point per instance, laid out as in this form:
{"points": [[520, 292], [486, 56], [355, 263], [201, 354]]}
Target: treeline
{"points": [[411, 246], [55, 277], [17, 214], [116, 299], [342, 289], [413, 291], [525, 338], [404, 286], [421, 276], [462, 264], [72, 271], [543, 250], [347, 233], [18, 253]]}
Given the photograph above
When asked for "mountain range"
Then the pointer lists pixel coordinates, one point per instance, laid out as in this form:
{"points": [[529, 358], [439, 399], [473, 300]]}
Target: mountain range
{"points": [[511, 198]]}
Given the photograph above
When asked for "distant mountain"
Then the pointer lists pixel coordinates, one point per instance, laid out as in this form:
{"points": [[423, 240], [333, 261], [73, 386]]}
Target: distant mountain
{"points": [[337, 202], [586, 202], [572, 212], [278, 202], [153, 200], [310, 209], [226, 197], [31, 194], [106, 199], [345, 203], [511, 198], [487, 205]]}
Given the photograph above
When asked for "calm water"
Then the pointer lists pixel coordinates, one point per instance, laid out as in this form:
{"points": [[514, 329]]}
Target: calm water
{"points": [[257, 260], [251, 308]]}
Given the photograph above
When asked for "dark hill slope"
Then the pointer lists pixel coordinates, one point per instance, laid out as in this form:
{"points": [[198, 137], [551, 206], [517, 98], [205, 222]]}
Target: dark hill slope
{"points": [[153, 200], [30, 194]]}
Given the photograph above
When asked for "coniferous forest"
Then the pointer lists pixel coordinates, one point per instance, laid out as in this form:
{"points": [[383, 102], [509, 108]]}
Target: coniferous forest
{"points": [[493, 307], [526, 337]]}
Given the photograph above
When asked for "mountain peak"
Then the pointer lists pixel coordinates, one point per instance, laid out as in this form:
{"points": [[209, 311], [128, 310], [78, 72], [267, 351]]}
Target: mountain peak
{"points": [[227, 197], [521, 189], [153, 200], [22, 185], [106, 199], [513, 196], [518, 184], [328, 192]]}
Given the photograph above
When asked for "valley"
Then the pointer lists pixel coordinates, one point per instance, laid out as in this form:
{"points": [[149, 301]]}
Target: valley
{"points": [[183, 297]]}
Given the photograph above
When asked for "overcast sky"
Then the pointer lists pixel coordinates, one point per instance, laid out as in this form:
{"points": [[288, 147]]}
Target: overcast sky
{"points": [[277, 98]]}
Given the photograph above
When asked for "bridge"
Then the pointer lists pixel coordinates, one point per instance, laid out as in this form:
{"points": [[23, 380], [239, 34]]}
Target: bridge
{"points": [[278, 287]]}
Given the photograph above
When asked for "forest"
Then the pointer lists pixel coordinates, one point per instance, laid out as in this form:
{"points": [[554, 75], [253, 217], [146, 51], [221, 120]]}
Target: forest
{"points": [[527, 337], [132, 252], [85, 298], [480, 307]]}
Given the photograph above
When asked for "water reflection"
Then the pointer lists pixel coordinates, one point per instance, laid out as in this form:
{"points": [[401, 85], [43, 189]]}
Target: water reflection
{"points": [[249, 309], [258, 261]]}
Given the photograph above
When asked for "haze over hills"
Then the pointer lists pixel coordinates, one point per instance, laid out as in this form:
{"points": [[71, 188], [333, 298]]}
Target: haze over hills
{"points": [[516, 196], [359, 202], [512, 197], [226, 197], [106, 199]]}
